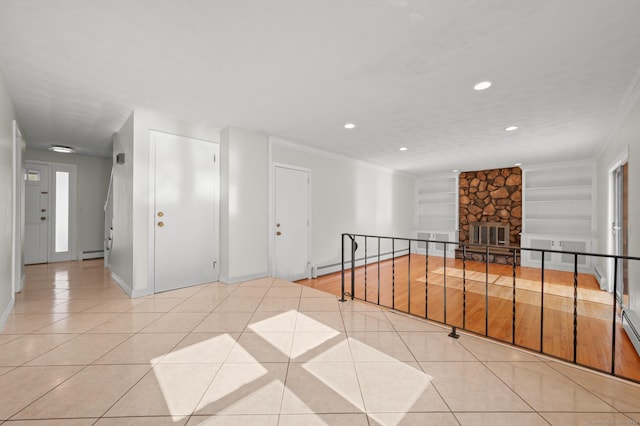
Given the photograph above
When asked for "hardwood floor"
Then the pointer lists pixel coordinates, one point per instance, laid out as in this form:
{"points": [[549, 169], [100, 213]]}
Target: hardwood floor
{"points": [[482, 301]]}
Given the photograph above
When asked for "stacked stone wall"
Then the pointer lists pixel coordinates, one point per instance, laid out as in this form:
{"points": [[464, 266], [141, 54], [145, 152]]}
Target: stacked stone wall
{"points": [[491, 196]]}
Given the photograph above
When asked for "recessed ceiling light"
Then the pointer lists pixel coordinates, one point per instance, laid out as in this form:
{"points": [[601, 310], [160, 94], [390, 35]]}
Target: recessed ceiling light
{"points": [[455, 170], [403, 148], [62, 149], [349, 126], [511, 128], [483, 85], [518, 164]]}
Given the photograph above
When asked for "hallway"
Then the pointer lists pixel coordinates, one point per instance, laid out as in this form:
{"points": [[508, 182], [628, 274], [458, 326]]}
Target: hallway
{"points": [[268, 352]]}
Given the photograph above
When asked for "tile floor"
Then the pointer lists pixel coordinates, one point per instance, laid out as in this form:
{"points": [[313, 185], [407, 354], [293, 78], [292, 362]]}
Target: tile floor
{"points": [[77, 351]]}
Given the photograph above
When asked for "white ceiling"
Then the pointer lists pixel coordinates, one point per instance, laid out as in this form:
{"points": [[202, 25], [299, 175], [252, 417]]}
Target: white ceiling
{"points": [[402, 70]]}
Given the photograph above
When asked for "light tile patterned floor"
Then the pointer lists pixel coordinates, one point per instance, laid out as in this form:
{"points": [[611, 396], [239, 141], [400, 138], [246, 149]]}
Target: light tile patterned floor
{"points": [[77, 351]]}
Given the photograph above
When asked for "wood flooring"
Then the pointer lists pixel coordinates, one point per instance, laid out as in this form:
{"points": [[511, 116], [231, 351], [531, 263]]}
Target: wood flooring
{"points": [[486, 301]]}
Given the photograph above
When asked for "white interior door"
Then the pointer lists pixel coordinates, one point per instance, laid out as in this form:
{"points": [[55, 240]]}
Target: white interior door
{"points": [[292, 223], [36, 238], [186, 200]]}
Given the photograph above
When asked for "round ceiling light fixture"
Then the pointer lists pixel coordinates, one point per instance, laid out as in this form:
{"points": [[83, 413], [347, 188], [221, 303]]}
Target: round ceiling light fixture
{"points": [[511, 128], [62, 149], [349, 126], [483, 85], [455, 170], [403, 148], [518, 164]]}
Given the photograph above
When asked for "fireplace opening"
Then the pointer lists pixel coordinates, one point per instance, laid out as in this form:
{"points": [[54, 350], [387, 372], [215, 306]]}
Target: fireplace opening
{"points": [[491, 233]]}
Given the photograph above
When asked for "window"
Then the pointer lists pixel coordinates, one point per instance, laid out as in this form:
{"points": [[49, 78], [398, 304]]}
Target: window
{"points": [[62, 212], [32, 175]]}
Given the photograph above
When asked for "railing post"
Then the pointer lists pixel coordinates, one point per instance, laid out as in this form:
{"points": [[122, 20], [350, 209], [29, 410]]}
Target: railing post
{"points": [[426, 279], [615, 317], [542, 302], [453, 333], [486, 291], [464, 286], [513, 319], [444, 282], [342, 299], [575, 307], [366, 260], [354, 247], [409, 280], [378, 270], [393, 273]]}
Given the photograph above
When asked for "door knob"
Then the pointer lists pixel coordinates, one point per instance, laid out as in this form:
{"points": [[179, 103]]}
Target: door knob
{"points": [[278, 233], [160, 214], [277, 225], [43, 210], [43, 218], [160, 224]]}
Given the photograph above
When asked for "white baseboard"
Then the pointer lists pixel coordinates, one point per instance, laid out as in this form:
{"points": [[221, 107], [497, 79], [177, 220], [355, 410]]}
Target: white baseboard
{"points": [[23, 280], [5, 314], [127, 289], [243, 278]]}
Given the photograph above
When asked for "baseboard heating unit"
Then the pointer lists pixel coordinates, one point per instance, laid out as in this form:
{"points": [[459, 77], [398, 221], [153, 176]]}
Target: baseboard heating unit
{"points": [[91, 254], [631, 325], [317, 271]]}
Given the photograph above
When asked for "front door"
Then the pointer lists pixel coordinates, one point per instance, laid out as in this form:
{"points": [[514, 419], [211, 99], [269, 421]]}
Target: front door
{"points": [[36, 221], [186, 193], [292, 223]]}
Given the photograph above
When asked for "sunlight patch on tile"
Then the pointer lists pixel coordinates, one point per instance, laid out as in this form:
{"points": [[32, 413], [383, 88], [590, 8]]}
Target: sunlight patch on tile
{"points": [[310, 341], [273, 322], [264, 400], [336, 352], [306, 323], [337, 380], [197, 351], [230, 379]]}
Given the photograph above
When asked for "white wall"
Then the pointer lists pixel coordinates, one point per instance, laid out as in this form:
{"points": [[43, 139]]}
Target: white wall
{"points": [[93, 181], [244, 205], [349, 196], [627, 136], [121, 256], [7, 115]]}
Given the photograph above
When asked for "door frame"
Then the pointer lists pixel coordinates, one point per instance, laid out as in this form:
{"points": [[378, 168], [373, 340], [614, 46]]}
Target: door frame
{"points": [[619, 161], [151, 270], [272, 214], [73, 208], [17, 235]]}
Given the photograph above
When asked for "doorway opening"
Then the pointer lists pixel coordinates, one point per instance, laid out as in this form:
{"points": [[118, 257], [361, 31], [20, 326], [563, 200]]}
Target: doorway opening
{"points": [[50, 212], [620, 231]]}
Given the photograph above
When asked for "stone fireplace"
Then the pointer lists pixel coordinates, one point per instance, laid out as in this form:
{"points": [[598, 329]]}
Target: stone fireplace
{"points": [[490, 212]]}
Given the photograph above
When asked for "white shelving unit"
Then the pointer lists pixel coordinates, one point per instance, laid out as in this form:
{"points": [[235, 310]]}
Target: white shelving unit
{"points": [[437, 212], [559, 206]]}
